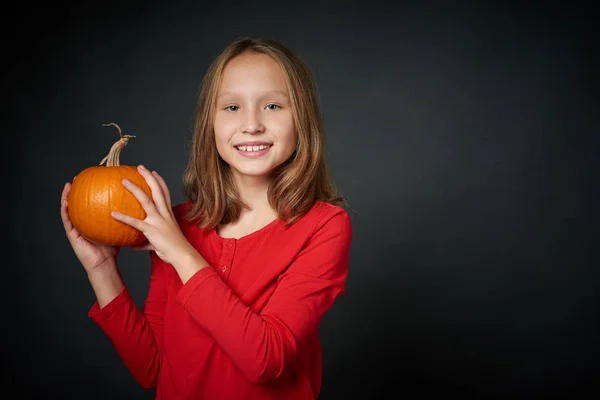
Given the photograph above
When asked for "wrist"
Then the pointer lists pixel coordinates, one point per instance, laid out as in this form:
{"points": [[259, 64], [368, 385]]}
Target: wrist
{"points": [[106, 283], [107, 267], [103, 274], [189, 263]]}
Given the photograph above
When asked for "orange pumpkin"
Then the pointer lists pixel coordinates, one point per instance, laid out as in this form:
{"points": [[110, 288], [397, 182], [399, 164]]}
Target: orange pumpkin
{"points": [[97, 191]]}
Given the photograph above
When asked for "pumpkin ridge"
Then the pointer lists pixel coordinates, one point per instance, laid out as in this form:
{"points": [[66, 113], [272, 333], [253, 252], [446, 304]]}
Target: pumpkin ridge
{"points": [[110, 220], [88, 200]]}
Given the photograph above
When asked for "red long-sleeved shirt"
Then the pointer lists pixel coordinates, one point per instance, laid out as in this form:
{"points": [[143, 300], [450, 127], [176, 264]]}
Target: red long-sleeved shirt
{"points": [[247, 326]]}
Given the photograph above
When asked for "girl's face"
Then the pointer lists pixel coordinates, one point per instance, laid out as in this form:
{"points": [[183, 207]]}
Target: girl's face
{"points": [[254, 125]]}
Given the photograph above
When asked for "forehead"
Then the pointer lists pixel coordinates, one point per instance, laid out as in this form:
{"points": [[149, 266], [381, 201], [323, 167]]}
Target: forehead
{"points": [[252, 71]]}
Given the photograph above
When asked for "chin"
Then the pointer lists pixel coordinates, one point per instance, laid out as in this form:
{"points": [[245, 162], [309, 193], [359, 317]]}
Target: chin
{"points": [[253, 173]]}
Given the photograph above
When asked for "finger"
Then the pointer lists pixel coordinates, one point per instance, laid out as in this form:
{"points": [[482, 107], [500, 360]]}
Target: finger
{"points": [[145, 200], [129, 220], [64, 214], [65, 192], [164, 187], [157, 193]]}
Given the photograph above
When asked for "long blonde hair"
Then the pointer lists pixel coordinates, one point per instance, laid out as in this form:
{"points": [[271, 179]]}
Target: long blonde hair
{"points": [[298, 183]]}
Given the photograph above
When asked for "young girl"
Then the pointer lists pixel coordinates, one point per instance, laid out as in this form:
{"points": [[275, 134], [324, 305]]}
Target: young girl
{"points": [[243, 271]]}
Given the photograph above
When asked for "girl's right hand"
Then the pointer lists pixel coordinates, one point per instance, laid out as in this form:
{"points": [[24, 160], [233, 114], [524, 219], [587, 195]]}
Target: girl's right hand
{"points": [[93, 256]]}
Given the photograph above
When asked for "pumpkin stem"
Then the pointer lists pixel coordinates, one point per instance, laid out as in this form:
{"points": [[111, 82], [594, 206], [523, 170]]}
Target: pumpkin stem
{"points": [[112, 159]]}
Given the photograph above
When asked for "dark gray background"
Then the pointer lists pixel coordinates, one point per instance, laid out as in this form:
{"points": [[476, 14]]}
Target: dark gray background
{"points": [[464, 138]]}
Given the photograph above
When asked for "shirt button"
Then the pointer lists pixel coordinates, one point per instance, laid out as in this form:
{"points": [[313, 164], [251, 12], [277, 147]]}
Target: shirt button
{"points": [[224, 268], [230, 244]]}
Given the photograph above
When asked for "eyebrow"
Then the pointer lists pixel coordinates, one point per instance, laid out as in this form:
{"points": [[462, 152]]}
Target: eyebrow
{"points": [[279, 92]]}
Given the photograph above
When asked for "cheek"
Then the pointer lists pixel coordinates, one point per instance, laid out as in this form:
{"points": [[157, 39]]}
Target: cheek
{"points": [[224, 122], [289, 145], [288, 131], [222, 129], [222, 144]]}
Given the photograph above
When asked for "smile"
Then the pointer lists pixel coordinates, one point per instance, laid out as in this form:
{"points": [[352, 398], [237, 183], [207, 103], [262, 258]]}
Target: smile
{"points": [[253, 151]]}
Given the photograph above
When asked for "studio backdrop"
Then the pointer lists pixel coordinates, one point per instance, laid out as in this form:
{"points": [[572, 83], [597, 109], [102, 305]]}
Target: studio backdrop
{"points": [[464, 139]]}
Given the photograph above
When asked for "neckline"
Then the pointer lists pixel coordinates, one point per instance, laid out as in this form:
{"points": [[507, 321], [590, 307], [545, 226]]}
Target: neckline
{"points": [[249, 235]]}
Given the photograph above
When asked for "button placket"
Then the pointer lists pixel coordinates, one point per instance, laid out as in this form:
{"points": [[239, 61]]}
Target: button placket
{"points": [[226, 258]]}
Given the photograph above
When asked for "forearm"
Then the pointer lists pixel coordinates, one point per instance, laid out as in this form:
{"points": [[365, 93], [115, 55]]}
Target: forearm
{"points": [[260, 348], [262, 344], [131, 331], [106, 282]]}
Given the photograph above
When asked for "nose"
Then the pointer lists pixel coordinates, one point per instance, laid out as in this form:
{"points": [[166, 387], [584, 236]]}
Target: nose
{"points": [[252, 123]]}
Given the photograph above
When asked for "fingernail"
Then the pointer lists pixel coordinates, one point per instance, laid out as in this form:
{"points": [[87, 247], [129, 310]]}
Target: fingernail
{"points": [[142, 167]]}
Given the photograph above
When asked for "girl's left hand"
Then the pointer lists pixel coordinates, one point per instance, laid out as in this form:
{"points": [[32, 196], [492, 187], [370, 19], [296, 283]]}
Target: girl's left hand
{"points": [[160, 226]]}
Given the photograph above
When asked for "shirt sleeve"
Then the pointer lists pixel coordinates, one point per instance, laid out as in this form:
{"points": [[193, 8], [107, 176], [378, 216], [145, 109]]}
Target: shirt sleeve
{"points": [[262, 345], [137, 336]]}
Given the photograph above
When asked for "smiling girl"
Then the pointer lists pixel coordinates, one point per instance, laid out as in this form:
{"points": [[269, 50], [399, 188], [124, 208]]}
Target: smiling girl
{"points": [[244, 270]]}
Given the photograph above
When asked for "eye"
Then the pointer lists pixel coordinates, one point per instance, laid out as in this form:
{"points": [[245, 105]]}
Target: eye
{"points": [[273, 107], [232, 108]]}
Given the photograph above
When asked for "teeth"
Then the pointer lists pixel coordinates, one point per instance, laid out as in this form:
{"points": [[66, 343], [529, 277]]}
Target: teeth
{"points": [[252, 148]]}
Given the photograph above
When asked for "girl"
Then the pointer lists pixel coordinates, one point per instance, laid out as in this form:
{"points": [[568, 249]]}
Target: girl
{"points": [[244, 270]]}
